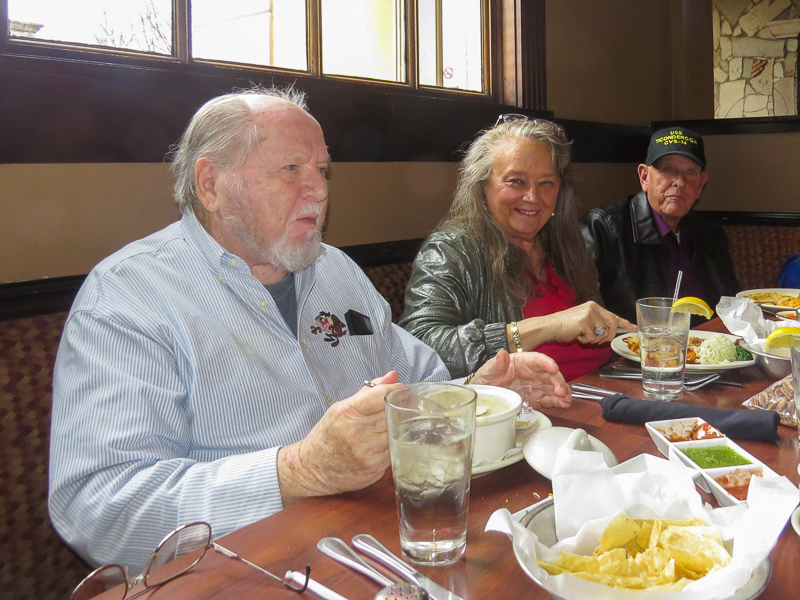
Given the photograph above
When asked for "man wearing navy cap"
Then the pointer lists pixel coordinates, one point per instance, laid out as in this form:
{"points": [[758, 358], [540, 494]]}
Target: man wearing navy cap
{"points": [[641, 243]]}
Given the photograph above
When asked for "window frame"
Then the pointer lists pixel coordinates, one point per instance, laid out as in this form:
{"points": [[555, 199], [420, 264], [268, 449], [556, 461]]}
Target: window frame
{"points": [[180, 63], [514, 65], [120, 83]]}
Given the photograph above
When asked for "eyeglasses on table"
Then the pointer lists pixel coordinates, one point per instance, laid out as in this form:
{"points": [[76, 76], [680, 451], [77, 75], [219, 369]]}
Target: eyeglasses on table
{"points": [[192, 537]]}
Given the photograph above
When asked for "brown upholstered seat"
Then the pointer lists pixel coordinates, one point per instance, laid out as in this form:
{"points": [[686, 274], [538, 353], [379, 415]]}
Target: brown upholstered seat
{"points": [[36, 564], [759, 251], [391, 281]]}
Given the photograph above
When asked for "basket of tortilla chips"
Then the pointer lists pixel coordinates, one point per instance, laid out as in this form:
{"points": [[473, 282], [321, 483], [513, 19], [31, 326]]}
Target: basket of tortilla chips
{"points": [[645, 533]]}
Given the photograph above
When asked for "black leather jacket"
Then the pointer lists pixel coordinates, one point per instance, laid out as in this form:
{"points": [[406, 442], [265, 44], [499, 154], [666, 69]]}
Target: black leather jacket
{"points": [[450, 305], [632, 262]]}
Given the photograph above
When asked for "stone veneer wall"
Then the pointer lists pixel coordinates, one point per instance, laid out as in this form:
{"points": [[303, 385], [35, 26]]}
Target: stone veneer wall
{"points": [[755, 57]]}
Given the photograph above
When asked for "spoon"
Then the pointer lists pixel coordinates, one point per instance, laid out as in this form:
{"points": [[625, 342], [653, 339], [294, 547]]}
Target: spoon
{"points": [[339, 551], [401, 591]]}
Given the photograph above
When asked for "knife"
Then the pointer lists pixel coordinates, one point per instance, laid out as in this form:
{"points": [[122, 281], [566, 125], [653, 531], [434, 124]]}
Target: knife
{"points": [[374, 549]]}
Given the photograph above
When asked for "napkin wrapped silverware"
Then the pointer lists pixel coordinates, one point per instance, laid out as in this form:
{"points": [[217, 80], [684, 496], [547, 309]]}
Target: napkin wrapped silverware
{"points": [[738, 424]]}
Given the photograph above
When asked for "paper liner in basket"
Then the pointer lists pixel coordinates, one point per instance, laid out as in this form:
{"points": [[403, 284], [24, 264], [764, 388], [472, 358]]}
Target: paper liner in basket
{"points": [[587, 495], [744, 318]]}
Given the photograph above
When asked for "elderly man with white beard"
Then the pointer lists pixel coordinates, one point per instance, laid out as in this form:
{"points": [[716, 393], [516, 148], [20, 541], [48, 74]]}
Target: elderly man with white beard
{"points": [[215, 370]]}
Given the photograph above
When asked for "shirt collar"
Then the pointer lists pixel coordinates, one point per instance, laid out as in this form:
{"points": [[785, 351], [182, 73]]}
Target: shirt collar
{"points": [[664, 229], [210, 250]]}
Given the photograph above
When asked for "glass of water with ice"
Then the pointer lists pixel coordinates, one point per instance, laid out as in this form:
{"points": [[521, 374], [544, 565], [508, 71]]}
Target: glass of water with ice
{"points": [[663, 337], [431, 432]]}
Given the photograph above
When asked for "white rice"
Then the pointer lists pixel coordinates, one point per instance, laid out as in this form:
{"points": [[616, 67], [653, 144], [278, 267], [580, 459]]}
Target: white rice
{"points": [[716, 350]]}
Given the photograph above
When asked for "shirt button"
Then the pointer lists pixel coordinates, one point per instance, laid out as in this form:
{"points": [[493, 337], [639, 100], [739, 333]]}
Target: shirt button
{"points": [[328, 399], [232, 262], [220, 278], [303, 346], [263, 303]]}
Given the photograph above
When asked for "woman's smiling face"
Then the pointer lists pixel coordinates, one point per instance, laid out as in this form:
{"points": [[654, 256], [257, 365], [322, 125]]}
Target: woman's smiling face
{"points": [[522, 189]]}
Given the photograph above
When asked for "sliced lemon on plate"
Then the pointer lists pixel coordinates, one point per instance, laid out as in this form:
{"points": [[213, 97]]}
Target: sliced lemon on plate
{"points": [[780, 340], [694, 306]]}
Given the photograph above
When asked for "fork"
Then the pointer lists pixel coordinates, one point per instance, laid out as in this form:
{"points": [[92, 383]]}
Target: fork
{"points": [[637, 371], [688, 384], [696, 384]]}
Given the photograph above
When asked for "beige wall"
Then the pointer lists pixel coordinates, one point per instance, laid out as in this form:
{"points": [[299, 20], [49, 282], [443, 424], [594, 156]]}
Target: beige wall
{"points": [[66, 218], [63, 219]]}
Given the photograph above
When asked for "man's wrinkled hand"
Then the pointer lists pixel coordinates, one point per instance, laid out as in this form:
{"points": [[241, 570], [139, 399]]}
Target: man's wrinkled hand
{"points": [[534, 376], [348, 449]]}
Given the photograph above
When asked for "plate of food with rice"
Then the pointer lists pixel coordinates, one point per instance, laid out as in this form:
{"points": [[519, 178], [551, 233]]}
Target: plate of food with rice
{"points": [[706, 351]]}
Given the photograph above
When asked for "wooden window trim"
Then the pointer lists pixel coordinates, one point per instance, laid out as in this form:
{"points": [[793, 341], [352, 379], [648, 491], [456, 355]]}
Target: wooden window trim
{"points": [[106, 92]]}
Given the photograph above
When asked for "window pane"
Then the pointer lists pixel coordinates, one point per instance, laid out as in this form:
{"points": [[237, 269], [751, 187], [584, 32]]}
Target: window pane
{"points": [[259, 32], [364, 38], [144, 25], [427, 25], [459, 49]]}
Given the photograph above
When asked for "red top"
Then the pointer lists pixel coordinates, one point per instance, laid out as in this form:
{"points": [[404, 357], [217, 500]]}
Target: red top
{"points": [[573, 358]]}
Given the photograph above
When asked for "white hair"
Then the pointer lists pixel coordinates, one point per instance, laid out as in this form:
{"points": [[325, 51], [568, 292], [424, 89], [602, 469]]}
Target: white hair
{"points": [[225, 131]]}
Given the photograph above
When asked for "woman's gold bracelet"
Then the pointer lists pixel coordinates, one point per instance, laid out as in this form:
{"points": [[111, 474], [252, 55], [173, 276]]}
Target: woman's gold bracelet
{"points": [[469, 378], [515, 336]]}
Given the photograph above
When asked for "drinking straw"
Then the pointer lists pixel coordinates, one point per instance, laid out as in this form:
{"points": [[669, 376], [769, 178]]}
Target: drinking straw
{"points": [[677, 287]]}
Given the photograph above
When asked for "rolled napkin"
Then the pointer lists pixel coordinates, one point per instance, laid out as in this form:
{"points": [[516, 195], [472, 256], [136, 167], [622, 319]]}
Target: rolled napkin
{"points": [[736, 424]]}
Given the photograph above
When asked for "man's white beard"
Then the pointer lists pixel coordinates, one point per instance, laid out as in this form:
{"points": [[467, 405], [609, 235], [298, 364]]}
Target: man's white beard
{"points": [[278, 253]]}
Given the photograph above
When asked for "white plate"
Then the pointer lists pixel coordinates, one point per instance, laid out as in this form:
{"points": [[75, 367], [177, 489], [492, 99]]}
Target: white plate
{"points": [[796, 520], [621, 348], [527, 423], [541, 447], [784, 291]]}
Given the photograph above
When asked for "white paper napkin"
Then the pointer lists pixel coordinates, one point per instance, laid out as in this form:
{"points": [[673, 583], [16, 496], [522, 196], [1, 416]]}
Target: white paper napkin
{"points": [[744, 318]]}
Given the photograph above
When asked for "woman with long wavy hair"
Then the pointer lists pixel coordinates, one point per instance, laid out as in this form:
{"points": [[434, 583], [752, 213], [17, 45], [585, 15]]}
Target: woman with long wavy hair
{"points": [[508, 267]]}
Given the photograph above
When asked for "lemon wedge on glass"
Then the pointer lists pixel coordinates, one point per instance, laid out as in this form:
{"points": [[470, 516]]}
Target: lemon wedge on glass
{"points": [[780, 340], [694, 306]]}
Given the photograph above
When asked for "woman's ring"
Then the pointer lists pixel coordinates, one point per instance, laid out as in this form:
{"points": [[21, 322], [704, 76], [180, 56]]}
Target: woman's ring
{"points": [[599, 330]]}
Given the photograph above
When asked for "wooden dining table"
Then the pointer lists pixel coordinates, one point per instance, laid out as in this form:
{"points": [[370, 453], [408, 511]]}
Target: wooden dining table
{"points": [[489, 570]]}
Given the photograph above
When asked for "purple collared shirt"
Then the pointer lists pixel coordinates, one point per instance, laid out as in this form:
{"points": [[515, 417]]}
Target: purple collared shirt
{"points": [[680, 257]]}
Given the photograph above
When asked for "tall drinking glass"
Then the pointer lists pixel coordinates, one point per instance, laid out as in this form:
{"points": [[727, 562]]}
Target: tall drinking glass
{"points": [[663, 337], [431, 431]]}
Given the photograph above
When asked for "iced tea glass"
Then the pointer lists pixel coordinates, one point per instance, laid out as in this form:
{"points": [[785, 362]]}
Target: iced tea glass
{"points": [[663, 337], [431, 432]]}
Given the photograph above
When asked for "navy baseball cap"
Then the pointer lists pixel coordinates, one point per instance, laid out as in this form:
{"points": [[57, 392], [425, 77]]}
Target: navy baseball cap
{"points": [[676, 140]]}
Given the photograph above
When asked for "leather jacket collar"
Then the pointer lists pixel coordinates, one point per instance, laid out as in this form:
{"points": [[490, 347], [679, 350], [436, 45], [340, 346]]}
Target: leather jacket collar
{"points": [[644, 225]]}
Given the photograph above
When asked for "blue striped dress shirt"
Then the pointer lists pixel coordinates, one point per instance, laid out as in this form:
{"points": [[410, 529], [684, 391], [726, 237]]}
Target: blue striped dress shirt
{"points": [[177, 381]]}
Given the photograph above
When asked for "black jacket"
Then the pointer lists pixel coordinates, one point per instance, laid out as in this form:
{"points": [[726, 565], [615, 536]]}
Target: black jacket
{"points": [[632, 262]]}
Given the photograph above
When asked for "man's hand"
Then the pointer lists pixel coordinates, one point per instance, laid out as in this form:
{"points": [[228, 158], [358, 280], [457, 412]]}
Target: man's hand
{"points": [[534, 376], [348, 449]]}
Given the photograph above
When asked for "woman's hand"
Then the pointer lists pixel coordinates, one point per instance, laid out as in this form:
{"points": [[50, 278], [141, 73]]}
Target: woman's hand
{"points": [[534, 376], [588, 323]]}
